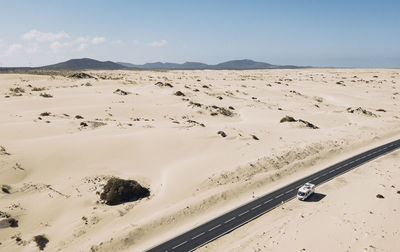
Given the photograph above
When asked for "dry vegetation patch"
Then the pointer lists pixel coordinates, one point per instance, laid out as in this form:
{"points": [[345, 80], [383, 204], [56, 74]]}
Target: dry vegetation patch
{"points": [[117, 191], [41, 241]]}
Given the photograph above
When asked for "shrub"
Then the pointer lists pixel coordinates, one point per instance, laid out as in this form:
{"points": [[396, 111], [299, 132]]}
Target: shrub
{"points": [[223, 134], [118, 191], [46, 95], [81, 76], [6, 189], [45, 114], [41, 241], [38, 89], [287, 119], [17, 90], [179, 93]]}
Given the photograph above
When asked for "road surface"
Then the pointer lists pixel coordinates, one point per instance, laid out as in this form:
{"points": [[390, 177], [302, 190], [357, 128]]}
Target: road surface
{"points": [[219, 226]]}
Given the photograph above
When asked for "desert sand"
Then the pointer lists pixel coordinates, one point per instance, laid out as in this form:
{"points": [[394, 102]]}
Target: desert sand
{"points": [[347, 215], [203, 142]]}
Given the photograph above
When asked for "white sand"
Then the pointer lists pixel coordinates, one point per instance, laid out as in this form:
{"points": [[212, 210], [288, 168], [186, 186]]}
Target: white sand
{"points": [[193, 173]]}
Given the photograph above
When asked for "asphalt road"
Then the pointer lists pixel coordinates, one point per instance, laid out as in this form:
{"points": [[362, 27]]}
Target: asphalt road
{"points": [[219, 226]]}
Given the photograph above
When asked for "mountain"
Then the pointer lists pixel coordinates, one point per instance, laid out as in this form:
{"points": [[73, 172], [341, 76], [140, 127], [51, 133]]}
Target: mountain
{"points": [[129, 65], [228, 65], [85, 63], [243, 64]]}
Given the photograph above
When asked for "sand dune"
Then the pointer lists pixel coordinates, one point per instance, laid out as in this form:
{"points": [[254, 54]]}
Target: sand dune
{"points": [[64, 137]]}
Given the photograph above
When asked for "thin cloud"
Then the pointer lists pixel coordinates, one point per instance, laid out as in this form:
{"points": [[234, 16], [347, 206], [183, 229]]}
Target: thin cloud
{"points": [[98, 40], [116, 42], [14, 48], [44, 36], [82, 39], [135, 42], [158, 43], [82, 47], [56, 46], [32, 49]]}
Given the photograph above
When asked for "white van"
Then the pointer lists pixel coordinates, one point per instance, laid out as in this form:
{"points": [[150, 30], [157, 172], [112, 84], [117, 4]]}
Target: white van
{"points": [[305, 191]]}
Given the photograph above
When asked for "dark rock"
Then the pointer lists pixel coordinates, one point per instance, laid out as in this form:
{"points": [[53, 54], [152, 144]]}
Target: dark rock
{"points": [[118, 191], [380, 196], [78, 117]]}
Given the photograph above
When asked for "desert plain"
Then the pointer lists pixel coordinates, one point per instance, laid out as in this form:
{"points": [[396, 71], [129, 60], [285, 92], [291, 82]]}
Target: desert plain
{"points": [[203, 142]]}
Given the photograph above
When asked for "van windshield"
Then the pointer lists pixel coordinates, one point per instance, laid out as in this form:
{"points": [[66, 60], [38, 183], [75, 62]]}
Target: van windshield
{"points": [[301, 194]]}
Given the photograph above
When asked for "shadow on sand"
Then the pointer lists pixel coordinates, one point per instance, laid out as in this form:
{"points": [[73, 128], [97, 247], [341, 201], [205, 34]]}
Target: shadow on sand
{"points": [[315, 197]]}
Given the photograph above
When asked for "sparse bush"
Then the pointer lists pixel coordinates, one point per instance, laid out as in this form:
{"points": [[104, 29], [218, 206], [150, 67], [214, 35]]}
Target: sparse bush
{"points": [[81, 76], [41, 241], [225, 112], [118, 191], [221, 133], [13, 222], [38, 89], [3, 151], [46, 95], [121, 92], [78, 117], [45, 114], [179, 93], [160, 84], [380, 196], [17, 90], [255, 137], [287, 119], [6, 188]]}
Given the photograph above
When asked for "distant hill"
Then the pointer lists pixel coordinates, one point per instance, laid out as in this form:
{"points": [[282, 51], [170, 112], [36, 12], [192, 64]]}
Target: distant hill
{"points": [[85, 63], [228, 65], [243, 64], [167, 65]]}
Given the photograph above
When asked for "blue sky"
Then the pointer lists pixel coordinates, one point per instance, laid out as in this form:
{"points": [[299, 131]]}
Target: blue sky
{"points": [[302, 32]]}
